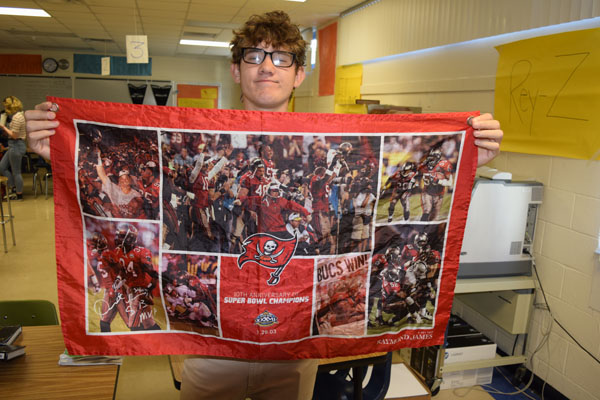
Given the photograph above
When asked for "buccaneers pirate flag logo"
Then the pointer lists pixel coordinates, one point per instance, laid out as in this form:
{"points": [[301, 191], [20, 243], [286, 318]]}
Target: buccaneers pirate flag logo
{"points": [[268, 251]]}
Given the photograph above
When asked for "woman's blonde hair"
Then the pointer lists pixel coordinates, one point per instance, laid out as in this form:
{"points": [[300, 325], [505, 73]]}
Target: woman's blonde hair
{"points": [[12, 105]]}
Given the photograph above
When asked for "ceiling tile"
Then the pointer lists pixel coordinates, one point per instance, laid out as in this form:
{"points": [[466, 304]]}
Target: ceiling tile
{"points": [[20, 3], [163, 5], [50, 7], [11, 23], [227, 3], [163, 21], [112, 3], [197, 11]]}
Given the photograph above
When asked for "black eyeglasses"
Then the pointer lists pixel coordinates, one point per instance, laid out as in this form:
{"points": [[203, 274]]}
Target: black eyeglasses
{"points": [[282, 59]]}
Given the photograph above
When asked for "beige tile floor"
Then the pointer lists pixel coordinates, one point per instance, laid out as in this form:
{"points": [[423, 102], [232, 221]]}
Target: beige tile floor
{"points": [[28, 271]]}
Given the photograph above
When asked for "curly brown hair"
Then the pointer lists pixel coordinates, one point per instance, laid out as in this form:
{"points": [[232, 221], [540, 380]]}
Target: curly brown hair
{"points": [[275, 29]]}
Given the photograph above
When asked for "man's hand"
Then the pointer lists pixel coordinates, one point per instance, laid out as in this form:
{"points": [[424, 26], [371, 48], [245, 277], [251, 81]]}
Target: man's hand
{"points": [[41, 124], [488, 136]]}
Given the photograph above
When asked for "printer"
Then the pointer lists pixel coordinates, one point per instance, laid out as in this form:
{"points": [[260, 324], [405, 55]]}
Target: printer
{"points": [[500, 226]]}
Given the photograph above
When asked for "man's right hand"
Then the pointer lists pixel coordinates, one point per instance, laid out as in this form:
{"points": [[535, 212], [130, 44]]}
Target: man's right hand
{"points": [[41, 124]]}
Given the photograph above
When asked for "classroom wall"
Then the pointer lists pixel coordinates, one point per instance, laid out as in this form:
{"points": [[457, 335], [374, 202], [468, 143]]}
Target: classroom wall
{"points": [[461, 77], [183, 69]]}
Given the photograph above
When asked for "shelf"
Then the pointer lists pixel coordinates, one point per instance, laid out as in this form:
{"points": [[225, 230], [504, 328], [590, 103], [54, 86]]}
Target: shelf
{"points": [[494, 362], [474, 285]]}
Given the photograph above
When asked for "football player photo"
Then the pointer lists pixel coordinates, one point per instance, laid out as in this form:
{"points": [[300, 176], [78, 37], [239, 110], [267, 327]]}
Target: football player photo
{"points": [[404, 276], [418, 178], [118, 171], [122, 276], [190, 292], [219, 189]]}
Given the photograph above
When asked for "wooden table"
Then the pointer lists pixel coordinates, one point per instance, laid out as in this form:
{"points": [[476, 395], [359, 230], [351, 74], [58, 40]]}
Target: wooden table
{"points": [[37, 375]]}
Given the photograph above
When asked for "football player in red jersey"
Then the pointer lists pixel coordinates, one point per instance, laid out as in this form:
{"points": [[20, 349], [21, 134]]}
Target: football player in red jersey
{"points": [[402, 182], [252, 183], [266, 155], [436, 175], [319, 189], [139, 277], [96, 244], [149, 185], [114, 300], [393, 297], [202, 191]]}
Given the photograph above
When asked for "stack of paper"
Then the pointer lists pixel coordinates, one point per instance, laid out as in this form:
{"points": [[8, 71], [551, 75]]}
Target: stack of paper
{"points": [[67, 359]]}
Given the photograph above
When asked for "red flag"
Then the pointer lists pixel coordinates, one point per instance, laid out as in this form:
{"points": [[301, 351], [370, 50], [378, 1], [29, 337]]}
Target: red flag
{"points": [[268, 251]]}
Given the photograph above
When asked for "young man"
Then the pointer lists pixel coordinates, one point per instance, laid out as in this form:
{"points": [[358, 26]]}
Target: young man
{"points": [[268, 62]]}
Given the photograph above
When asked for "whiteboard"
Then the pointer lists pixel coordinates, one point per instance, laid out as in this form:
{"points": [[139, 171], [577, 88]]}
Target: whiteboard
{"points": [[32, 90]]}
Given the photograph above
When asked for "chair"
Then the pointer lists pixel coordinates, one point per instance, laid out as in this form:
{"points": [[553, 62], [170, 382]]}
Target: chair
{"points": [[337, 385], [28, 313], [41, 164], [6, 218]]}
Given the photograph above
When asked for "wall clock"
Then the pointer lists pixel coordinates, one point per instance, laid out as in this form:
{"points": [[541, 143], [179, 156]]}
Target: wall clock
{"points": [[63, 63], [50, 65]]}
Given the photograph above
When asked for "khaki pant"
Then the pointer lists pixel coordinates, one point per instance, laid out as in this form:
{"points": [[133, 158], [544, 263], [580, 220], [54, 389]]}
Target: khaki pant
{"points": [[216, 379]]}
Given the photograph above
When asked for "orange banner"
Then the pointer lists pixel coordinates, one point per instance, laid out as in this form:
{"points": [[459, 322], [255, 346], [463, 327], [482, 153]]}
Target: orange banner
{"points": [[20, 64], [327, 53]]}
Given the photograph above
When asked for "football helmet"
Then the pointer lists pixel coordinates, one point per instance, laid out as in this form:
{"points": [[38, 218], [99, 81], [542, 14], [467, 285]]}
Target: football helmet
{"points": [[126, 236], [421, 240], [98, 241], [433, 157], [346, 148], [392, 275], [96, 135], [392, 255], [408, 167]]}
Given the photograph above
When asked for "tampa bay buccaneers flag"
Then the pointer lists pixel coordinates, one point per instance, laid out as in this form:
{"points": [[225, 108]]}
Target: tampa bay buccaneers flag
{"points": [[256, 235], [268, 251]]}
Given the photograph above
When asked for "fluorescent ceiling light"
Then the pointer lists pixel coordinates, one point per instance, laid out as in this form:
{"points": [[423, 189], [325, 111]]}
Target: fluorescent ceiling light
{"points": [[26, 12], [203, 43], [297, 1]]}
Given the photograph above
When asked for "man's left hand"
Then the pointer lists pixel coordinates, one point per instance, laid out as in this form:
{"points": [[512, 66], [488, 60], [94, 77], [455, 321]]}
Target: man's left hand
{"points": [[488, 136]]}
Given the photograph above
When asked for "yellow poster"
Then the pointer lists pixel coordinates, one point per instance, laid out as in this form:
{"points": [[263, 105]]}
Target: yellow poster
{"points": [[209, 93], [548, 95], [195, 103], [347, 86]]}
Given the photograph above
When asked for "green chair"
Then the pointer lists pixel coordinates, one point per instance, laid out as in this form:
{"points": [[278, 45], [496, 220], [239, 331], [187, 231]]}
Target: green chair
{"points": [[27, 313]]}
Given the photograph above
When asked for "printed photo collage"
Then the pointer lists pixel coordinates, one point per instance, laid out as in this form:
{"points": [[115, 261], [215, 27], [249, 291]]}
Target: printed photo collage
{"points": [[172, 218]]}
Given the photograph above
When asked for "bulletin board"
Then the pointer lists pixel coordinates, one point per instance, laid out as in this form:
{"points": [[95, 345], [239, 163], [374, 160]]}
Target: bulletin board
{"points": [[198, 95]]}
